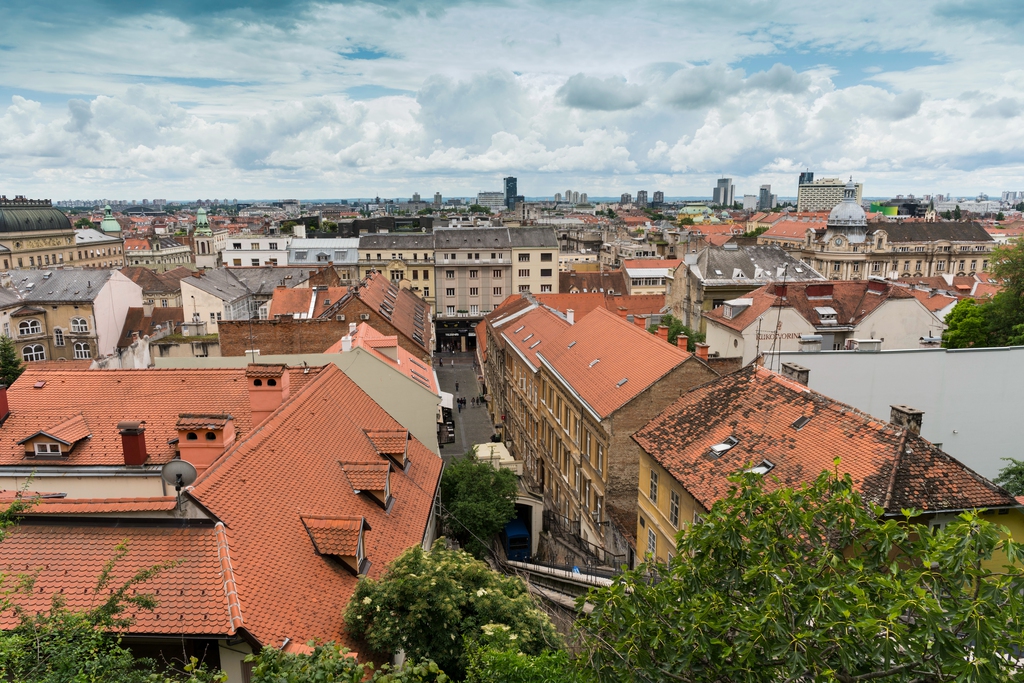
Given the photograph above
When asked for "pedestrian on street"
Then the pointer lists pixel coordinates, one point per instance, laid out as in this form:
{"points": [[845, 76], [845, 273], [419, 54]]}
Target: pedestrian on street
{"points": [[456, 386]]}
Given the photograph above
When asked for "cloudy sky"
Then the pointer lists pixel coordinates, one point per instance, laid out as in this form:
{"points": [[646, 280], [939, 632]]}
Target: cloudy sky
{"points": [[292, 98]]}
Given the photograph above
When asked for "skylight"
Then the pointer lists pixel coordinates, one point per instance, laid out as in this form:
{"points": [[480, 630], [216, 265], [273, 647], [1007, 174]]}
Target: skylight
{"points": [[764, 468], [571, 344], [519, 329], [719, 448], [622, 381], [528, 337], [535, 343], [594, 362], [799, 424]]}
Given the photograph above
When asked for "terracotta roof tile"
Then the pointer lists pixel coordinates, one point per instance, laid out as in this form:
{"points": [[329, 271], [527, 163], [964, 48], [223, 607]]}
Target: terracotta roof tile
{"points": [[616, 345], [105, 397], [760, 410], [592, 281], [407, 312], [388, 441], [366, 476], [532, 332], [334, 535], [84, 506], [411, 366]]}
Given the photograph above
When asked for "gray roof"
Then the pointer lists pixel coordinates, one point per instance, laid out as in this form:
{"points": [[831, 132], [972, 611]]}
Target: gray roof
{"points": [[58, 285], [92, 236], [471, 238], [756, 263], [220, 283], [34, 217], [262, 280], [532, 238], [338, 250], [397, 240], [949, 231]]}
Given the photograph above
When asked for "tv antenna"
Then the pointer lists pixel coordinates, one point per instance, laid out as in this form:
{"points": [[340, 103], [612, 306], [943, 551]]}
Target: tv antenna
{"points": [[179, 474]]}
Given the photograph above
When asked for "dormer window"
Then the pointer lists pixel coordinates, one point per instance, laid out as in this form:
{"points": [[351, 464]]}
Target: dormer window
{"points": [[370, 479], [47, 450], [392, 444], [341, 538], [721, 448]]}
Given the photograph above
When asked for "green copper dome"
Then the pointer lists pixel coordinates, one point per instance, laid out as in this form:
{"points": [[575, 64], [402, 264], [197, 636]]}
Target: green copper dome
{"points": [[109, 224], [203, 224]]}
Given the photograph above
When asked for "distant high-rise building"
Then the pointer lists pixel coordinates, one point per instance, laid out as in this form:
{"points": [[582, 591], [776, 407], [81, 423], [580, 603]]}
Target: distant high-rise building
{"points": [[583, 197], [438, 202], [491, 200], [511, 192], [416, 197], [568, 196], [764, 198], [558, 197], [659, 198], [822, 194], [806, 177], [575, 197], [641, 197], [625, 198], [725, 192], [750, 202]]}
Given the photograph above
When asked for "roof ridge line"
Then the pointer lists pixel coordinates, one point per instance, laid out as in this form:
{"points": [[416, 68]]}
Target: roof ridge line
{"points": [[227, 571], [895, 468]]}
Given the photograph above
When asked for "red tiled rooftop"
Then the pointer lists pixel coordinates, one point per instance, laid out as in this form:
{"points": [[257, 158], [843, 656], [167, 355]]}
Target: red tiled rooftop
{"points": [[334, 535], [296, 300], [759, 408], [532, 332], [366, 476]]}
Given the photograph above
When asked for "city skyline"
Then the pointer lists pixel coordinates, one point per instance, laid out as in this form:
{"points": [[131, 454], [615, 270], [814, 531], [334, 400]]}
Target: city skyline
{"points": [[325, 99]]}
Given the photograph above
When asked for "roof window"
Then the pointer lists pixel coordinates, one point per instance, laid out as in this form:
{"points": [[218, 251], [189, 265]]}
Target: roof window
{"points": [[519, 329], [528, 337], [571, 344], [594, 362], [719, 448], [622, 381], [534, 344], [799, 424], [764, 468]]}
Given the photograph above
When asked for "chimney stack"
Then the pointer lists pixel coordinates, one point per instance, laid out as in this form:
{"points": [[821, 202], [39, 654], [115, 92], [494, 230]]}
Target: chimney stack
{"points": [[663, 332], [346, 344], [702, 351], [907, 417], [681, 341], [268, 388], [570, 315], [352, 329], [203, 438], [133, 442], [639, 322], [797, 373], [623, 312]]}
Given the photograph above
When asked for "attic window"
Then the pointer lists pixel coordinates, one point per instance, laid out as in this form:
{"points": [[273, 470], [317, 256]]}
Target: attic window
{"points": [[718, 272], [720, 448], [519, 329], [47, 450], [799, 424], [764, 468], [622, 381], [594, 362], [571, 344]]}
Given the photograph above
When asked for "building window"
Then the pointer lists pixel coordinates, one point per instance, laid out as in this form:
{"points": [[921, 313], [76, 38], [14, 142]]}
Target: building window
{"points": [[58, 337], [47, 449], [544, 289], [545, 272], [600, 458], [450, 310], [524, 272], [876, 266], [426, 274], [450, 291], [415, 274], [974, 265], [474, 309], [497, 291], [82, 351], [449, 274], [917, 266], [234, 262], [474, 291], [835, 267], [496, 273], [524, 258], [163, 303], [652, 492], [255, 261], [548, 257], [598, 505], [652, 544], [426, 291], [940, 265], [856, 267], [474, 274], [524, 288], [33, 352], [673, 509], [236, 245], [27, 327]]}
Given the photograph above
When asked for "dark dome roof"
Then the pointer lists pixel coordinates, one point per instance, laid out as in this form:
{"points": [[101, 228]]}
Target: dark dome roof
{"points": [[32, 217]]}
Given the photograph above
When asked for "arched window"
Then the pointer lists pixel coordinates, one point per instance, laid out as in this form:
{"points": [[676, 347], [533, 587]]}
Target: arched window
{"points": [[271, 382], [79, 325], [257, 383], [33, 352], [26, 327], [82, 351], [191, 436], [210, 436], [58, 337]]}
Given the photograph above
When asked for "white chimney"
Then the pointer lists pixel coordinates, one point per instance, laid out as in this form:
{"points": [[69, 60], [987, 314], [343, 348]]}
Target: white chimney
{"points": [[570, 315], [346, 344], [352, 329]]}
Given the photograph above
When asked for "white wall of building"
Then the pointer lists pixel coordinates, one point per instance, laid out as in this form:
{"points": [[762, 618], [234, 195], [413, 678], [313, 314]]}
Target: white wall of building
{"points": [[210, 308], [110, 308], [970, 397], [247, 251]]}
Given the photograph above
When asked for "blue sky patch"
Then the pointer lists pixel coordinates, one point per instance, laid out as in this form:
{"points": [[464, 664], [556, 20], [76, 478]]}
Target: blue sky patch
{"points": [[365, 53], [853, 67], [372, 92]]}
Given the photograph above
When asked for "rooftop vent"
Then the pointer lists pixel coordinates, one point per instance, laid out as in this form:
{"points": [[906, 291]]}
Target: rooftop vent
{"points": [[571, 344], [800, 422], [764, 468], [719, 448], [622, 381], [594, 362]]}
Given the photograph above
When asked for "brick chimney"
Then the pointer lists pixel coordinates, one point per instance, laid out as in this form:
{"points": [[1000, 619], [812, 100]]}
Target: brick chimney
{"points": [[268, 389], [202, 438], [5, 407], [702, 351], [663, 332], [639, 322], [797, 373], [570, 316], [681, 341], [623, 312], [133, 442], [907, 417]]}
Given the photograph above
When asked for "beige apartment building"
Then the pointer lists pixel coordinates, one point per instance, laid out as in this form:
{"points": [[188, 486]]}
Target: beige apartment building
{"points": [[823, 194], [406, 258]]}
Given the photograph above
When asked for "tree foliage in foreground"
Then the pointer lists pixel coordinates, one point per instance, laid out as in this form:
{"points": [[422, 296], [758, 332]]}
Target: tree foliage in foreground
{"points": [[810, 585], [1011, 477], [335, 664], [477, 501], [1000, 321], [429, 603], [675, 328], [11, 365]]}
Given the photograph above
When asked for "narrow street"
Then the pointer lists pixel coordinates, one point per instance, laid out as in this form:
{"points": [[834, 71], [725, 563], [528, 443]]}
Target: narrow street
{"points": [[473, 424]]}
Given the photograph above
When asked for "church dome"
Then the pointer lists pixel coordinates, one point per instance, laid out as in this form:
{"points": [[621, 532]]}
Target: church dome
{"points": [[848, 213], [30, 215]]}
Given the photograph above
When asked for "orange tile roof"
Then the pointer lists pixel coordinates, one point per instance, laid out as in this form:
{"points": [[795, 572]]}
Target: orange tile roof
{"points": [[532, 332], [102, 398], [670, 263], [616, 345], [791, 230], [366, 476], [388, 441], [334, 535], [718, 240], [581, 303], [69, 431], [296, 300], [63, 506], [288, 469], [889, 466], [369, 339], [191, 596], [933, 301], [407, 312]]}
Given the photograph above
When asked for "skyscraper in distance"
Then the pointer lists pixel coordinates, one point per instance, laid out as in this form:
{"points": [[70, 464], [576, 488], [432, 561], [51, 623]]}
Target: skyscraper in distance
{"points": [[725, 192], [641, 197], [764, 198], [511, 190]]}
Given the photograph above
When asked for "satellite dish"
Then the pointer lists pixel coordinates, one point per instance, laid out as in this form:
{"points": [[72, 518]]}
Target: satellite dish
{"points": [[178, 473]]}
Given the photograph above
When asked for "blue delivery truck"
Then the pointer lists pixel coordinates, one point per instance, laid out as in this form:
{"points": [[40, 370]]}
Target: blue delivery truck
{"points": [[517, 541]]}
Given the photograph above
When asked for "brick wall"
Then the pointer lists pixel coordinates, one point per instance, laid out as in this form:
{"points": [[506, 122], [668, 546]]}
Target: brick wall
{"points": [[286, 335]]}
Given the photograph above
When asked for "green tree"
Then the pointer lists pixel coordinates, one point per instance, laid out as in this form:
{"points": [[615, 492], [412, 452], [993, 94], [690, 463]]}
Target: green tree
{"points": [[430, 604], [967, 326], [11, 365], [676, 328], [808, 584], [1000, 216], [83, 223], [686, 220], [495, 656], [476, 208], [957, 215], [328, 662], [424, 212], [477, 501], [1011, 477], [947, 214]]}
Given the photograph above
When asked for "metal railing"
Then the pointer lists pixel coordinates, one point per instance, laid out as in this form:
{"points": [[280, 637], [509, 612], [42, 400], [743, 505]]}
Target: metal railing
{"points": [[570, 531]]}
